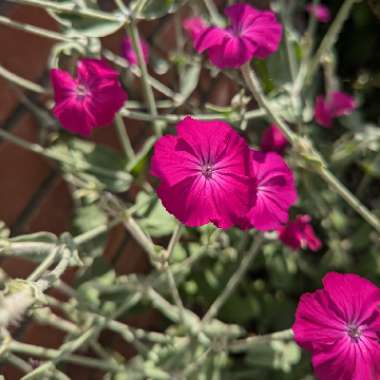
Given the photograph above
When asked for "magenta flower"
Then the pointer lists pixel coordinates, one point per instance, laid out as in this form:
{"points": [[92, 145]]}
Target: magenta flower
{"points": [[194, 26], [251, 33], [319, 11], [204, 173], [129, 53], [299, 234], [335, 104], [90, 100], [274, 192], [340, 326], [273, 140]]}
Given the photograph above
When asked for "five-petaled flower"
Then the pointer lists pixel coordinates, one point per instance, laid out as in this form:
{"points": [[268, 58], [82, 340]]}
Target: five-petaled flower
{"points": [[204, 173], [128, 52], [251, 34], [340, 326], [319, 11], [90, 100], [273, 140], [335, 104], [299, 234]]}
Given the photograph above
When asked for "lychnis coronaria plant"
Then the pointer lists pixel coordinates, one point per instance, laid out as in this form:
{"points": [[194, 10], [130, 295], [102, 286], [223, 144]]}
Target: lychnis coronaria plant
{"points": [[213, 192]]}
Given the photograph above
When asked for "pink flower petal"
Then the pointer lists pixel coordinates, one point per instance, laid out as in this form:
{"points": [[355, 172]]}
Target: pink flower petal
{"points": [[194, 26], [341, 103], [74, 116], [275, 191], [319, 11], [299, 234], [356, 297], [211, 36], [335, 104], [273, 140], [171, 162], [129, 53]]}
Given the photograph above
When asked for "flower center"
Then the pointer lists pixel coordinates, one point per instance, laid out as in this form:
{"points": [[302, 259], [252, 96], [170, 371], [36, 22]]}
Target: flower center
{"points": [[81, 91], [354, 332], [207, 170]]}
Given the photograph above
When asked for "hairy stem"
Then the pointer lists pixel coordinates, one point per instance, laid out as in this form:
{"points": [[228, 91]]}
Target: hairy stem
{"points": [[148, 91]]}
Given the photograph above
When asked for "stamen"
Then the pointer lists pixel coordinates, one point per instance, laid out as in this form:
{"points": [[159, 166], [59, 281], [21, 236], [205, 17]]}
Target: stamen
{"points": [[207, 170], [81, 91], [354, 331]]}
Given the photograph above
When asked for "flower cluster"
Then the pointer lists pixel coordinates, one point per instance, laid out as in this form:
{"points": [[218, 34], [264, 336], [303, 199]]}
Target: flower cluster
{"points": [[208, 174], [340, 326]]}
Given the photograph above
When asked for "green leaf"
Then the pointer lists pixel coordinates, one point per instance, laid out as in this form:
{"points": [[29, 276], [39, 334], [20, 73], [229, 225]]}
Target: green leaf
{"points": [[190, 78], [88, 26], [100, 167], [151, 9], [87, 218], [276, 354], [153, 218]]}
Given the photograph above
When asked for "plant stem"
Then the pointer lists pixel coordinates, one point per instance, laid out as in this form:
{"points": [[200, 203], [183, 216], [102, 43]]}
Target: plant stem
{"points": [[248, 343], [49, 353], [124, 138], [174, 240], [70, 8], [213, 11], [34, 29], [171, 281], [172, 118], [330, 37], [148, 91], [289, 48], [45, 265], [22, 82], [350, 198], [62, 158], [234, 281], [258, 93], [18, 362]]}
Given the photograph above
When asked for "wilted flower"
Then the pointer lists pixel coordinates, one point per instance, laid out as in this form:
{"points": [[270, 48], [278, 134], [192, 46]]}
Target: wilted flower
{"points": [[90, 100], [335, 104], [204, 173], [129, 53], [251, 33], [194, 26], [319, 11], [299, 234], [273, 140], [274, 191], [340, 326]]}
